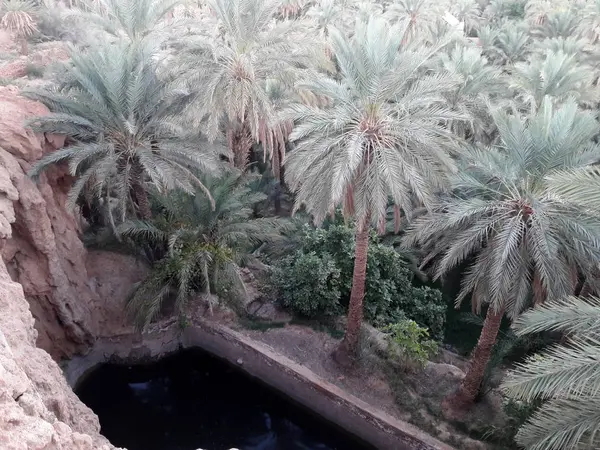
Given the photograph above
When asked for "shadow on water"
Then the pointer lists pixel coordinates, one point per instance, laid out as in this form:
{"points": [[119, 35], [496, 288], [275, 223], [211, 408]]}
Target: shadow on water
{"points": [[193, 400]]}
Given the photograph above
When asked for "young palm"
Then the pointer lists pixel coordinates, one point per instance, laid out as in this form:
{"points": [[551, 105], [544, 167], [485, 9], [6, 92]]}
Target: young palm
{"points": [[589, 25], [520, 239], [480, 81], [120, 122], [467, 12], [512, 44], [381, 138], [17, 18], [566, 377], [563, 23], [234, 67], [419, 15], [204, 241], [559, 76], [133, 19]]}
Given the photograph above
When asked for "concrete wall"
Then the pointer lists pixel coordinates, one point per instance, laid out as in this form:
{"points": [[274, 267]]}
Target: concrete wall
{"points": [[301, 385]]}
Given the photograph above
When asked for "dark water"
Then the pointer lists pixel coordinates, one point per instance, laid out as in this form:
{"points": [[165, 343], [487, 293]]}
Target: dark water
{"points": [[193, 400]]}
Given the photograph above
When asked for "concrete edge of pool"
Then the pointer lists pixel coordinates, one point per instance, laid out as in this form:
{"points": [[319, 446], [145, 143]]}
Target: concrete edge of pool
{"points": [[293, 380]]}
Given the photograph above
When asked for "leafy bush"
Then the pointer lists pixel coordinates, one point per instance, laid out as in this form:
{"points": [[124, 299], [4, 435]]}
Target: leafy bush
{"points": [[317, 280], [52, 27], [410, 343], [34, 71], [309, 284]]}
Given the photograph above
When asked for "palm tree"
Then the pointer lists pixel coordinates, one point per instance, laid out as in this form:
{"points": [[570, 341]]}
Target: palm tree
{"points": [[419, 15], [558, 75], [480, 81], [520, 239], [131, 19], [325, 14], [234, 66], [562, 23], [379, 139], [565, 377], [203, 241], [537, 11], [17, 18], [589, 25], [467, 12], [119, 118], [512, 44], [498, 11]]}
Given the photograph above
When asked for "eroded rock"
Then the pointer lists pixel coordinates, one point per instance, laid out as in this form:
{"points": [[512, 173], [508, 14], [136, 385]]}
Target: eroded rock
{"points": [[67, 288], [38, 241], [38, 409]]}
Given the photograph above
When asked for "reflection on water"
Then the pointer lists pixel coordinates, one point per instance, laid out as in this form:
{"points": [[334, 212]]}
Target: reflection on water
{"points": [[192, 400]]}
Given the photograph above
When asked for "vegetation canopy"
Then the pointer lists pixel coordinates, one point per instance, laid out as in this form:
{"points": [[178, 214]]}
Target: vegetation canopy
{"points": [[457, 140]]}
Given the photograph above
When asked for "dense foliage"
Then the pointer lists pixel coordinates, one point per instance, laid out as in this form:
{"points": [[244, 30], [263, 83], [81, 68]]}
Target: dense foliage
{"points": [[468, 128], [317, 279], [565, 377], [200, 243]]}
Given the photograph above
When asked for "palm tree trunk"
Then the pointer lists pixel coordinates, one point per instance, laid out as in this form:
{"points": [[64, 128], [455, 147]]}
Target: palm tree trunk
{"points": [[141, 198], [347, 351], [240, 144], [24, 46], [469, 388], [143, 203], [278, 173]]}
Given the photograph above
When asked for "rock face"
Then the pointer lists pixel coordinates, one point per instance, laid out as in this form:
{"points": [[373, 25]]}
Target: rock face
{"points": [[47, 295], [44, 253], [38, 410]]}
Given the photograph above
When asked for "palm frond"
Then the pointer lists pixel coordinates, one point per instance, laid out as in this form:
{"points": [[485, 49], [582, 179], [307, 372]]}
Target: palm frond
{"points": [[566, 376]]}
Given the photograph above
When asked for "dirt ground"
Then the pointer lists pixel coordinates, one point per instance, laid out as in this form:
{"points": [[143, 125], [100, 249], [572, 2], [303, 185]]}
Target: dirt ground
{"points": [[370, 380], [313, 349]]}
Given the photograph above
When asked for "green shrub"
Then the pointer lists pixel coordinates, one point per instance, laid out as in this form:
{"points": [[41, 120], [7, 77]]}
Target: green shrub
{"points": [[309, 284], [51, 26], [317, 281], [409, 343], [34, 71], [516, 413]]}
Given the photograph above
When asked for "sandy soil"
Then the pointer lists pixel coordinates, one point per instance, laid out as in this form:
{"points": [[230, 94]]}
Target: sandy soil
{"points": [[313, 349]]}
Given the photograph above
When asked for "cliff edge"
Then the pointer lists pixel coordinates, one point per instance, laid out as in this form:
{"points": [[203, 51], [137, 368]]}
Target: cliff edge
{"points": [[42, 275]]}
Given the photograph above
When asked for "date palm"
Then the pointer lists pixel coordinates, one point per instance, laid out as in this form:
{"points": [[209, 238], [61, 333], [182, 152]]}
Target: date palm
{"points": [[563, 23], [204, 241], [17, 18], [468, 12], [419, 15], [234, 66], [537, 11], [557, 75], [380, 138], [589, 25], [566, 377], [520, 239], [133, 19], [512, 43], [480, 81], [119, 119]]}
